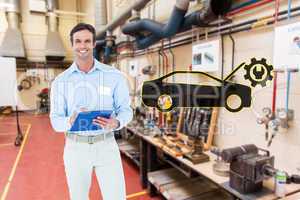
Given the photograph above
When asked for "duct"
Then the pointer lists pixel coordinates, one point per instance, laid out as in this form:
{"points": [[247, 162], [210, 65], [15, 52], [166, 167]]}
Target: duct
{"points": [[100, 14], [210, 11], [51, 5], [54, 49], [13, 44], [157, 30], [121, 18]]}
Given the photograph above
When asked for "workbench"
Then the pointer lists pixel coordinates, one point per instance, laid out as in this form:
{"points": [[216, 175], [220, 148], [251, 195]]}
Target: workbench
{"points": [[149, 147]]}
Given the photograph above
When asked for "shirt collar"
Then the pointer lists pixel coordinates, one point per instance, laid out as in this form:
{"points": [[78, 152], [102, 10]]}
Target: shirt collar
{"points": [[97, 66]]}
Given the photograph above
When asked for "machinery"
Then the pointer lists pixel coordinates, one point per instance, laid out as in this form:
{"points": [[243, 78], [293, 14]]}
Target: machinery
{"points": [[43, 103], [196, 126], [249, 166]]}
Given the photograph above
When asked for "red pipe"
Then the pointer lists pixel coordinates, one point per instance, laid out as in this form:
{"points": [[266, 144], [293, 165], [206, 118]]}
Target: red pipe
{"points": [[274, 94], [246, 8]]}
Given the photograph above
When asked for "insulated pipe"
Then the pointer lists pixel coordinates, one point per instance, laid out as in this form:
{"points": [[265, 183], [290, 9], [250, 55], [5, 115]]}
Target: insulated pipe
{"points": [[121, 18], [160, 30], [210, 11], [230, 29], [156, 29]]}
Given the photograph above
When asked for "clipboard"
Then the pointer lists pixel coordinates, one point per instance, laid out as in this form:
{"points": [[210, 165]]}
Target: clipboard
{"points": [[84, 120]]}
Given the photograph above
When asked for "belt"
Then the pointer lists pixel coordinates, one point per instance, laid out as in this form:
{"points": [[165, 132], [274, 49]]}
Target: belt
{"points": [[89, 139]]}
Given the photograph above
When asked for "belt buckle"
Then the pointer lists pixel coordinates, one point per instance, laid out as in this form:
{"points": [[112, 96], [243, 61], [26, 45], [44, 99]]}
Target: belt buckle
{"points": [[90, 140]]}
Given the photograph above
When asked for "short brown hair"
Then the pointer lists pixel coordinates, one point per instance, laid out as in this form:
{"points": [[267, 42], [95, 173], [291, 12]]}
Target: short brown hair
{"points": [[80, 27]]}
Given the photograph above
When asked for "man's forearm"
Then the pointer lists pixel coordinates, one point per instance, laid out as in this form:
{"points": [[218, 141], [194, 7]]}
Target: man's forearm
{"points": [[124, 117], [60, 124]]}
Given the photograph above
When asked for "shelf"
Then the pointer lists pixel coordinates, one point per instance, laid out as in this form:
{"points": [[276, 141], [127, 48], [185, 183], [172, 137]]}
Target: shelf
{"points": [[130, 150], [174, 185]]}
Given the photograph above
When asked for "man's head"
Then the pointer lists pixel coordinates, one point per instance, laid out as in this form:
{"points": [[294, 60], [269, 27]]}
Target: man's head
{"points": [[83, 38]]}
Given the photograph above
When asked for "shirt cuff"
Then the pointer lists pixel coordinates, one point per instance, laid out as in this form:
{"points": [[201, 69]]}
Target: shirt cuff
{"points": [[120, 124]]}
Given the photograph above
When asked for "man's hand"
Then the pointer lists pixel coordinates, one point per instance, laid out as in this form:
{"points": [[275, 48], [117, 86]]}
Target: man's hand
{"points": [[105, 123], [72, 118], [74, 115]]}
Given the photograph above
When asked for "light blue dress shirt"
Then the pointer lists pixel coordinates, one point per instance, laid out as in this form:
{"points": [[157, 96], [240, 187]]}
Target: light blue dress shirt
{"points": [[102, 88]]}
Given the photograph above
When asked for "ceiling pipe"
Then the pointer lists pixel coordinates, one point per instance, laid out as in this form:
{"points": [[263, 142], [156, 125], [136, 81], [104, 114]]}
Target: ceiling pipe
{"points": [[135, 28], [54, 49], [121, 18], [210, 11], [13, 44]]}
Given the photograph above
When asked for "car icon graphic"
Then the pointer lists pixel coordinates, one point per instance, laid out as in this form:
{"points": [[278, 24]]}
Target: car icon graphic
{"points": [[165, 96]]}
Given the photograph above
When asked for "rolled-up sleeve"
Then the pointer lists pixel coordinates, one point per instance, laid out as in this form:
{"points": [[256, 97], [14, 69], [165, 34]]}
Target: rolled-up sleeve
{"points": [[122, 103], [58, 107]]}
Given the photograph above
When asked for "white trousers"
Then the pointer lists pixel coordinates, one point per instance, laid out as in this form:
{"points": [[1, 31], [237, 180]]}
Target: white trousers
{"points": [[104, 157]]}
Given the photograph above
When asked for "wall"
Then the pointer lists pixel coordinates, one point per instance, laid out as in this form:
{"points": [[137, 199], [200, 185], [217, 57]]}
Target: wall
{"points": [[235, 129], [34, 29]]}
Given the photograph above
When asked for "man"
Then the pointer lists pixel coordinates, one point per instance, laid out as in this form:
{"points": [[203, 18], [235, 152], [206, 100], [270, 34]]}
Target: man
{"points": [[85, 86]]}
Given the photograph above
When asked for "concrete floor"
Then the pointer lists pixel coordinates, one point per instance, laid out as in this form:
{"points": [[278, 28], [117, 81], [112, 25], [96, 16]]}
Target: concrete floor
{"points": [[35, 170]]}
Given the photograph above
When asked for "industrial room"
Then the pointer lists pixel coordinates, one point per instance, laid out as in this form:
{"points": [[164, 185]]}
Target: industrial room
{"points": [[199, 100]]}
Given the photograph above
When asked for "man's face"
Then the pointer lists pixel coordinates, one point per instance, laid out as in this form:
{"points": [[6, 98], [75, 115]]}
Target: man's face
{"points": [[83, 44]]}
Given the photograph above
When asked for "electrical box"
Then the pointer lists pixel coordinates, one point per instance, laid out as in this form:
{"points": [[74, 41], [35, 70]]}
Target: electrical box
{"points": [[206, 56], [287, 46]]}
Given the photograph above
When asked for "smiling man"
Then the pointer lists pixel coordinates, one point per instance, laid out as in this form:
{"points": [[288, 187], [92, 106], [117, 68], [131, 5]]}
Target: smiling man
{"points": [[89, 85]]}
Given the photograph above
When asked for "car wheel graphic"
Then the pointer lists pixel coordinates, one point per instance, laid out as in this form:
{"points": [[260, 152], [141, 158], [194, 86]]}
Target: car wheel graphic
{"points": [[165, 103], [234, 102]]}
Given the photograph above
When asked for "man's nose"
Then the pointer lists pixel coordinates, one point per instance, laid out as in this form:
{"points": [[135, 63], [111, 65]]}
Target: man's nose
{"points": [[82, 45]]}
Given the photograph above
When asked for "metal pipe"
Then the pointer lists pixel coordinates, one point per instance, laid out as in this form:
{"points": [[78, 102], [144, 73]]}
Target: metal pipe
{"points": [[14, 6], [243, 4], [289, 8], [274, 94], [121, 18], [233, 51], [177, 23], [12, 20], [12, 44], [156, 29], [277, 4], [227, 30], [54, 49], [100, 14], [287, 90], [249, 7], [52, 22], [51, 5]]}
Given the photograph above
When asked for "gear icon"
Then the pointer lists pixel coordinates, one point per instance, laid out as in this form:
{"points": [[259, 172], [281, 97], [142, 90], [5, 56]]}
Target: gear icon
{"points": [[258, 72]]}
